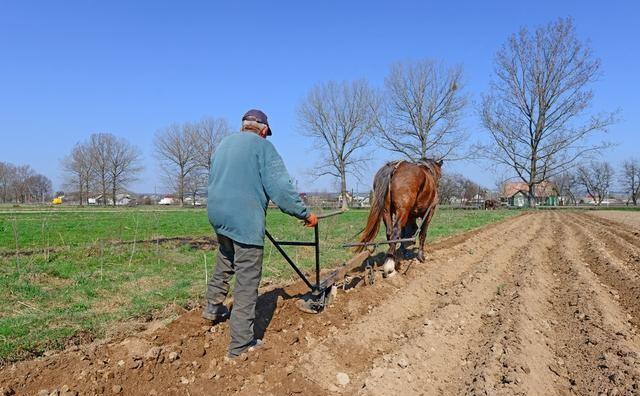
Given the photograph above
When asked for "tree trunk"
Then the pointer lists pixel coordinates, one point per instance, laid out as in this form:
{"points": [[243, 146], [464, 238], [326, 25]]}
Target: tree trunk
{"points": [[87, 189], [343, 190], [181, 186], [104, 191], [113, 193], [80, 178], [532, 195]]}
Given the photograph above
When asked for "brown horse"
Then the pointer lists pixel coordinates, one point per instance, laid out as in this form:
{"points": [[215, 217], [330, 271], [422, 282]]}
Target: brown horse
{"points": [[402, 193], [490, 204]]}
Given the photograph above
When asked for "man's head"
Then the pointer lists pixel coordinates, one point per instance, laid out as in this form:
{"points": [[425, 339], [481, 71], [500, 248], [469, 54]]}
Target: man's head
{"points": [[256, 121]]}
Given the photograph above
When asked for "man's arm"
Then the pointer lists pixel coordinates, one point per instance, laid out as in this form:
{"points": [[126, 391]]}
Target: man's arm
{"points": [[277, 184]]}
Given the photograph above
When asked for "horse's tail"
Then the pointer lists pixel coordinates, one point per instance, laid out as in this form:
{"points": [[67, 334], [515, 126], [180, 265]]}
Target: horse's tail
{"points": [[380, 190]]}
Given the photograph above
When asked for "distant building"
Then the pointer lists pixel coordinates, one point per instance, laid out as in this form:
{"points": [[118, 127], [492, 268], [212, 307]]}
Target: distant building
{"points": [[190, 201], [167, 201], [121, 200], [517, 194]]}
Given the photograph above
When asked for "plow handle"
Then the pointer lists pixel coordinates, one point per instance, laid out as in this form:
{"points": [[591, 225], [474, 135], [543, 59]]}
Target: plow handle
{"points": [[330, 214]]}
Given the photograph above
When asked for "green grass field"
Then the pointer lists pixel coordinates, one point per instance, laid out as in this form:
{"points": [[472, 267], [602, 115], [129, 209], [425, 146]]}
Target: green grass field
{"points": [[66, 276]]}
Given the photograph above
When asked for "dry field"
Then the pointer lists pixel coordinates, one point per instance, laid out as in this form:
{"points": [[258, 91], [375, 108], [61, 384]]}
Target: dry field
{"points": [[630, 218], [545, 303]]}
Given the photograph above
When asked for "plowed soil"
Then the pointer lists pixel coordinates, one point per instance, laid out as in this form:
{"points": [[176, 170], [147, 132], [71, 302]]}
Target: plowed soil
{"points": [[545, 303]]}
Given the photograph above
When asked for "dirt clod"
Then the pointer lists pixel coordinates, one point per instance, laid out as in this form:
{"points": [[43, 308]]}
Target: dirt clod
{"points": [[173, 356], [342, 379]]}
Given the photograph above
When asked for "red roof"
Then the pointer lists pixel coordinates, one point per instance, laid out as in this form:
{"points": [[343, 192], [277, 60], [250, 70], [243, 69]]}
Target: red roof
{"points": [[543, 189]]}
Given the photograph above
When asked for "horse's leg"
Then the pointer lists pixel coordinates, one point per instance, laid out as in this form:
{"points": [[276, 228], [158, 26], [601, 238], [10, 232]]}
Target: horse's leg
{"points": [[407, 232], [389, 264], [399, 220], [423, 234]]}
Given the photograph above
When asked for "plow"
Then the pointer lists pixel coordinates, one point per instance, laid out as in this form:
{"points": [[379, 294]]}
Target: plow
{"points": [[322, 292]]}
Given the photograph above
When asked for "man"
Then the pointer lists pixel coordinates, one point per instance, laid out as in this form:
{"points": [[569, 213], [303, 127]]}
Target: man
{"points": [[246, 172]]}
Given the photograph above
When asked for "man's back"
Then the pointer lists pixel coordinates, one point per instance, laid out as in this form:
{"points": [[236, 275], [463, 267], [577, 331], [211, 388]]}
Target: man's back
{"points": [[246, 171]]}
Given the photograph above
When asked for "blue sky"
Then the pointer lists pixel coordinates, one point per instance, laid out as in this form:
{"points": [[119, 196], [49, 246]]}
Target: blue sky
{"points": [[68, 69]]}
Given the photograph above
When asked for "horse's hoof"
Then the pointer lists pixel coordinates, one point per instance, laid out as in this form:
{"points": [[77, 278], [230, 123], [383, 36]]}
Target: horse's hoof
{"points": [[421, 258], [388, 267], [390, 274]]}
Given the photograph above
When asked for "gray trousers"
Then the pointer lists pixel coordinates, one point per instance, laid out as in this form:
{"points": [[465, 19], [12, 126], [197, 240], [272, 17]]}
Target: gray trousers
{"points": [[245, 261]]}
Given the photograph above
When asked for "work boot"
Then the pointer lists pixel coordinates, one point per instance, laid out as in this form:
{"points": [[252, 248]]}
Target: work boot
{"points": [[215, 312], [254, 345]]}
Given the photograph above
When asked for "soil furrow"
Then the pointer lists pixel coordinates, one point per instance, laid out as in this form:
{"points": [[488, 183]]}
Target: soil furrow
{"points": [[590, 359], [628, 253], [511, 353], [602, 257], [353, 348], [620, 230], [424, 358]]}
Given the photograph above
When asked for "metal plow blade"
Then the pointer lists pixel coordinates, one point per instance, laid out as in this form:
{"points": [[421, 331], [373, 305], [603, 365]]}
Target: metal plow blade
{"points": [[324, 294]]}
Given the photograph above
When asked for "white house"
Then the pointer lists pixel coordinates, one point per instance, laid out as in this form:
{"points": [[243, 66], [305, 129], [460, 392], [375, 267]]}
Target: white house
{"points": [[167, 201]]}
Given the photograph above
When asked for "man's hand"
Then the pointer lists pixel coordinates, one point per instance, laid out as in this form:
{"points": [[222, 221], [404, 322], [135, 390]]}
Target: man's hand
{"points": [[311, 221]]}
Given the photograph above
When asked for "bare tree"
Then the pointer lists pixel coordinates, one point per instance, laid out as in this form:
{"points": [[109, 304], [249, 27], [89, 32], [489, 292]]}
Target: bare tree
{"points": [[99, 148], [630, 179], [79, 168], [596, 179], [566, 184], [40, 187], [21, 184], [421, 111], [535, 109], [449, 188], [123, 165], [7, 178], [207, 134], [22, 189], [174, 148], [338, 117], [195, 183]]}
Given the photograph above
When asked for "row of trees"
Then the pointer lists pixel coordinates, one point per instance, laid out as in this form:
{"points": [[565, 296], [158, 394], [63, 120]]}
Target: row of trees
{"points": [[456, 186], [103, 164], [598, 178], [535, 111], [21, 184]]}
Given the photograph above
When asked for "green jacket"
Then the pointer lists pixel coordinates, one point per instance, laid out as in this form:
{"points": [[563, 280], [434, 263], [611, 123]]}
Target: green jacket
{"points": [[247, 172]]}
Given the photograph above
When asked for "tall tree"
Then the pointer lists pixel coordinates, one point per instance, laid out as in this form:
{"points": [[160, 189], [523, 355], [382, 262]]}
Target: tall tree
{"points": [[338, 117], [79, 169], [40, 187], [195, 184], [22, 189], [7, 178], [175, 149], [630, 179], [207, 134], [123, 165], [535, 109], [99, 148], [596, 179], [421, 111], [566, 184]]}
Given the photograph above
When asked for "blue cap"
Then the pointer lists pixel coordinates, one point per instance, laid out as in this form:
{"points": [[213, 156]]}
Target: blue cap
{"points": [[257, 116]]}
